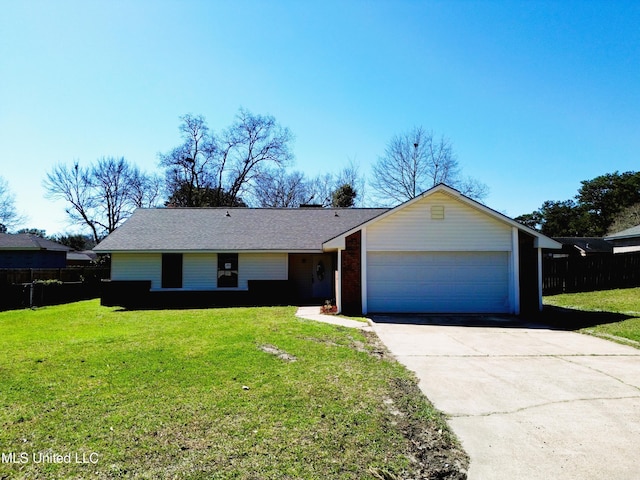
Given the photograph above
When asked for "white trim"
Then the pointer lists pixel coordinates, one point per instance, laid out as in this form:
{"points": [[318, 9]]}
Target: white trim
{"points": [[539, 279], [515, 269], [338, 282], [363, 269], [626, 249], [540, 240]]}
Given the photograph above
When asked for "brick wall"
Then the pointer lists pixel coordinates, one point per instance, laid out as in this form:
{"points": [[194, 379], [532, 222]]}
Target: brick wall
{"points": [[351, 275]]}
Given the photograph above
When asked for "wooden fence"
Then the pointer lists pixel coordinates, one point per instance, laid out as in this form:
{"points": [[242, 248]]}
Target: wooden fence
{"points": [[586, 274], [27, 287], [18, 276]]}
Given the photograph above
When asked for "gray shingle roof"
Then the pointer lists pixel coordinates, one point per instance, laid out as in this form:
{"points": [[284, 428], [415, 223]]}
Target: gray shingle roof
{"points": [[233, 229], [587, 244], [24, 241], [628, 233]]}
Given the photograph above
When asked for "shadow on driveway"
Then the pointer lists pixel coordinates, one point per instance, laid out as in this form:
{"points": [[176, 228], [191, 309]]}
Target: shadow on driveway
{"points": [[554, 318]]}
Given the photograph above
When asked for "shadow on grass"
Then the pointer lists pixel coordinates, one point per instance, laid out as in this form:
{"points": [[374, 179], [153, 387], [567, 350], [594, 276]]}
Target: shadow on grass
{"points": [[573, 319], [556, 318]]}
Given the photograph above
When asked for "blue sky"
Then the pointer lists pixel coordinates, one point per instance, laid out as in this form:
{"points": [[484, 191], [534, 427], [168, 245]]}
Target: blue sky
{"points": [[534, 95]]}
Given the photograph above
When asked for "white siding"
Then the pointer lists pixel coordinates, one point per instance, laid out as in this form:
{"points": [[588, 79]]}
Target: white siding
{"points": [[438, 282], [199, 270], [261, 266], [137, 266], [463, 228]]}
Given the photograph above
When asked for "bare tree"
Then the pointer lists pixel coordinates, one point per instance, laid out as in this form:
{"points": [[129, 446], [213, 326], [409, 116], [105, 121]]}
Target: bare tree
{"points": [[111, 180], [191, 167], [414, 162], [321, 189], [9, 216], [145, 190], [277, 188], [73, 185], [472, 188], [99, 197], [219, 171], [252, 144]]}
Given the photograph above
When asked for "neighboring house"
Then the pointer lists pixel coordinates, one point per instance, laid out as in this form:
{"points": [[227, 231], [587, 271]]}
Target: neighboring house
{"points": [[583, 246], [625, 241], [439, 252], [81, 259], [30, 251]]}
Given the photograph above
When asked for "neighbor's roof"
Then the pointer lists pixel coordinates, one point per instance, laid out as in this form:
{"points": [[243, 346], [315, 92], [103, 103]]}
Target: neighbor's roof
{"points": [[233, 229], [587, 244], [628, 233], [25, 241]]}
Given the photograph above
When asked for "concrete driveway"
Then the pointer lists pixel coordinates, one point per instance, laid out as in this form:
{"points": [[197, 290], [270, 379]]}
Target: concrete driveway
{"points": [[527, 403]]}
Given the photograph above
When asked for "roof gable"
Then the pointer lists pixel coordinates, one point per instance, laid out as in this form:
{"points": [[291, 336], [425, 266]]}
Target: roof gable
{"points": [[541, 240], [25, 241]]}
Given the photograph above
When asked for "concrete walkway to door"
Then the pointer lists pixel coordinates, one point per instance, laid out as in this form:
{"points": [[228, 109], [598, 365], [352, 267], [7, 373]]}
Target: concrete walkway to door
{"points": [[527, 403]]}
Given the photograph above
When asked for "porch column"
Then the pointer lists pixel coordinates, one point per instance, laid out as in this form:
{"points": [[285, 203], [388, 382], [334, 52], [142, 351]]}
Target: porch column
{"points": [[363, 269], [338, 282], [540, 279], [515, 270]]}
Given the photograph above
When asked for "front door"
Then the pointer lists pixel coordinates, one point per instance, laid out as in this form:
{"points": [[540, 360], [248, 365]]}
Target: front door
{"points": [[321, 278], [312, 276]]}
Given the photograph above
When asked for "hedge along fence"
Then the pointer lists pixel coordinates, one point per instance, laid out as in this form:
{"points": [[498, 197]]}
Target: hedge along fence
{"points": [[24, 288]]}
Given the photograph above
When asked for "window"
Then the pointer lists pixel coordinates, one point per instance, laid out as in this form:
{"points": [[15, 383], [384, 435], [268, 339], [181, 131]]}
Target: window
{"points": [[227, 270], [171, 270]]}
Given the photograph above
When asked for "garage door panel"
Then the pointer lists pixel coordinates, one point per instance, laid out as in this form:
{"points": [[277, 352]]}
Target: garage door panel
{"points": [[462, 282]]}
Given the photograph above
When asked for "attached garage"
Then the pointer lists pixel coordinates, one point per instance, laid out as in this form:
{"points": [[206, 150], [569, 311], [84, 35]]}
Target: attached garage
{"points": [[440, 252], [431, 282]]}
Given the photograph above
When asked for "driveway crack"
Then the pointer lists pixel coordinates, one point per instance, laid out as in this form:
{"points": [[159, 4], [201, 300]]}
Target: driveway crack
{"points": [[531, 407], [566, 358]]}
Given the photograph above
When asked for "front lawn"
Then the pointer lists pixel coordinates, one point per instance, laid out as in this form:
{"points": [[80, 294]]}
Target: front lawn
{"points": [[89, 391], [619, 311]]}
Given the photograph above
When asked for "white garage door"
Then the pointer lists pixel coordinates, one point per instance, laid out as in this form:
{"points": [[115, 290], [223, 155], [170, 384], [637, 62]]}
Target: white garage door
{"points": [[438, 282]]}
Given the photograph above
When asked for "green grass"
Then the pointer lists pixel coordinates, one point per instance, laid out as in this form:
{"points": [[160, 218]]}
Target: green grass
{"points": [[192, 394], [625, 302]]}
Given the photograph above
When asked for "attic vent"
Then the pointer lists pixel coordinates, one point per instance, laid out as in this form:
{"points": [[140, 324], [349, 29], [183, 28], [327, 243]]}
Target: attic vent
{"points": [[437, 212]]}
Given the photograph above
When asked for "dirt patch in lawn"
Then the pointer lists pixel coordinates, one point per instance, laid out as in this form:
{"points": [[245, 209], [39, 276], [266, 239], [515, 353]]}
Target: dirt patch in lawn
{"points": [[281, 354], [434, 451]]}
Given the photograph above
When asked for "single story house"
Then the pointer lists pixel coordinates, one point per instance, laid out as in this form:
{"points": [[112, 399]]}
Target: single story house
{"points": [[440, 252], [30, 251], [625, 241]]}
